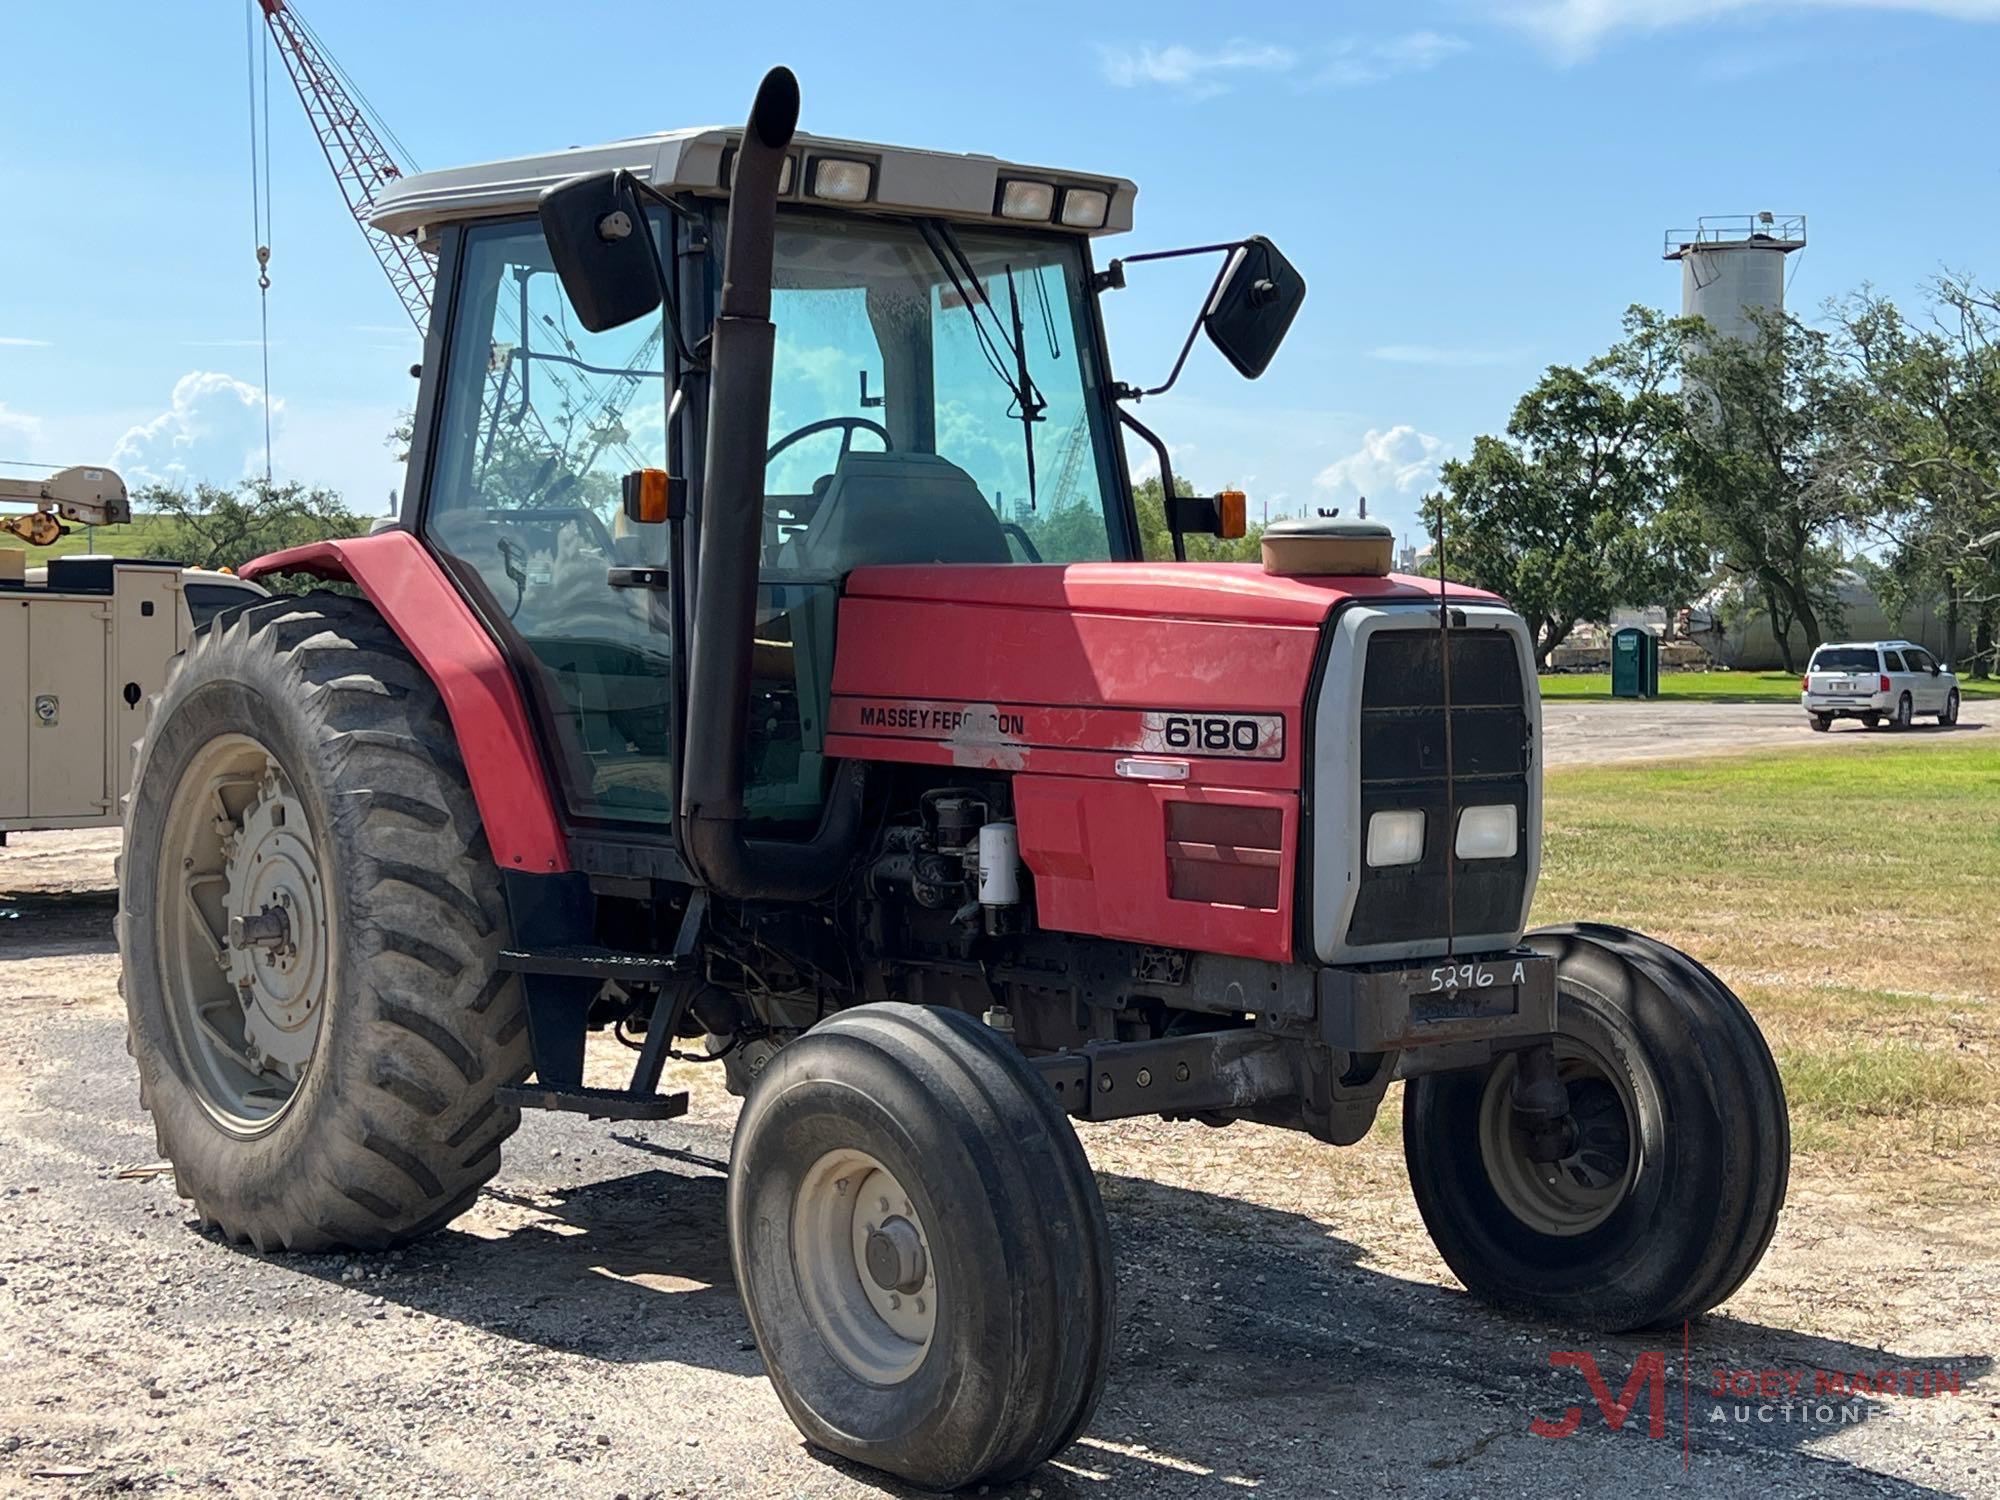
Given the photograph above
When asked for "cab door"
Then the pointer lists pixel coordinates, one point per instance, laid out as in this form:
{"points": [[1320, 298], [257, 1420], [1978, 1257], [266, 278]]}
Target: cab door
{"points": [[534, 423]]}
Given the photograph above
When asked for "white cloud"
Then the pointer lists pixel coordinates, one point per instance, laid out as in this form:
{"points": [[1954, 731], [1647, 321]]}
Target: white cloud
{"points": [[1394, 462], [1205, 72], [1573, 29], [212, 429], [1462, 357], [1359, 62], [1199, 72], [17, 343]]}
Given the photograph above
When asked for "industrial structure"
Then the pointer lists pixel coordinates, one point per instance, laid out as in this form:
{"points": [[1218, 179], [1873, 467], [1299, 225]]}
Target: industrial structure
{"points": [[1733, 265]]}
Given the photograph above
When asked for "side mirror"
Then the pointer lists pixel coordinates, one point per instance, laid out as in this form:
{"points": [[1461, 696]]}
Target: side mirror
{"points": [[599, 241], [1254, 306]]}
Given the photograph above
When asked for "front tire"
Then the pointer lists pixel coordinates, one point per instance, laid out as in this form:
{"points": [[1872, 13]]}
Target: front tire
{"points": [[1683, 1152], [1950, 715], [309, 924], [921, 1248]]}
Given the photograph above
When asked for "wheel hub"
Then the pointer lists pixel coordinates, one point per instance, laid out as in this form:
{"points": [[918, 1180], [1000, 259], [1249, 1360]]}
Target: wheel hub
{"points": [[1576, 1192], [865, 1271], [276, 955], [894, 1254], [245, 931]]}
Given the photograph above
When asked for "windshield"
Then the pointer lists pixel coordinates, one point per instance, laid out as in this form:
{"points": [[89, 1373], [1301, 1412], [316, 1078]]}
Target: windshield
{"points": [[936, 399], [1844, 659]]}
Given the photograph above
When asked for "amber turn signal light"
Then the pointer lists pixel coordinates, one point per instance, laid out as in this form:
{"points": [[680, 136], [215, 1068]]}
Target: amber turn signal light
{"points": [[646, 495], [1232, 514]]}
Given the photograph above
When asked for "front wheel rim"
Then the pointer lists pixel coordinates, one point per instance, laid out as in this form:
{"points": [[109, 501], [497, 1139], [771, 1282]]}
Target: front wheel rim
{"points": [[245, 933], [1581, 1191], [865, 1272]]}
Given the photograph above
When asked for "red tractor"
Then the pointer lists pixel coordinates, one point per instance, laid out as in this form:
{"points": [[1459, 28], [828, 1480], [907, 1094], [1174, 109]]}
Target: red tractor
{"points": [[765, 666]]}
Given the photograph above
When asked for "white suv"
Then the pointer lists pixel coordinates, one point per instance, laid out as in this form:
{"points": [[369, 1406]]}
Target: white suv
{"points": [[1876, 680]]}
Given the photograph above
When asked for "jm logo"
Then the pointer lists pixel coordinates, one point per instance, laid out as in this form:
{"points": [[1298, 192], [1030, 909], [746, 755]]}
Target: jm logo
{"points": [[1649, 1375]]}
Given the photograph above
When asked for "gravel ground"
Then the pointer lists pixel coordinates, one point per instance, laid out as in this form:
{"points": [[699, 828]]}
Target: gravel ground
{"points": [[1580, 733], [1284, 1326]]}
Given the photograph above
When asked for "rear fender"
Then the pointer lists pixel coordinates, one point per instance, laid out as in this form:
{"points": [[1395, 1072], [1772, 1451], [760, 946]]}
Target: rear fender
{"points": [[491, 721]]}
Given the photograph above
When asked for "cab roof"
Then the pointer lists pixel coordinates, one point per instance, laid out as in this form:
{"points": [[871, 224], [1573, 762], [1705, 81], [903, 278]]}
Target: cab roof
{"points": [[900, 180]]}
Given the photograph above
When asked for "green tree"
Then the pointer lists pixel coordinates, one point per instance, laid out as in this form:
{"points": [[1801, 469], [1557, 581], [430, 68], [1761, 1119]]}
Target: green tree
{"points": [[212, 526], [1572, 512], [1924, 442], [1767, 466]]}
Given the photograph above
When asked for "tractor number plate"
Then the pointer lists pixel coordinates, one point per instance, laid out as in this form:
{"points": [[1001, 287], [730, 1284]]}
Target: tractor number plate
{"points": [[1250, 736], [1446, 979]]}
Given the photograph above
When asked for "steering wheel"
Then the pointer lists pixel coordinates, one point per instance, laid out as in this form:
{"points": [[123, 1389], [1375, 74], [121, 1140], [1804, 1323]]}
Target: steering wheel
{"points": [[848, 427]]}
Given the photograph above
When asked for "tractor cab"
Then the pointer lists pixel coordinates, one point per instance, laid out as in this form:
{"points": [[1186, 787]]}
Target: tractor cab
{"points": [[940, 395]]}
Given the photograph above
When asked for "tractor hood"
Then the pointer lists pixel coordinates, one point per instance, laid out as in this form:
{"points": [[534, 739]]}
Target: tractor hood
{"points": [[1235, 593]]}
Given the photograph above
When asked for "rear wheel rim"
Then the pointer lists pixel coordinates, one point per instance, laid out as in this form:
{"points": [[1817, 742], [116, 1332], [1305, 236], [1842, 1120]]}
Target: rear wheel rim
{"points": [[245, 933], [1578, 1193], [862, 1258]]}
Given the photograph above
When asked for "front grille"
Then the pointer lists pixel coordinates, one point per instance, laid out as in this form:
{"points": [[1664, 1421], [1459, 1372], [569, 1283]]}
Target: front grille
{"points": [[1403, 766]]}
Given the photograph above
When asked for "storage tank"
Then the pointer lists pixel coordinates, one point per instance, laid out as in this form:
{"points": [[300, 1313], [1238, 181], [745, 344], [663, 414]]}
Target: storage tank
{"points": [[1731, 263]]}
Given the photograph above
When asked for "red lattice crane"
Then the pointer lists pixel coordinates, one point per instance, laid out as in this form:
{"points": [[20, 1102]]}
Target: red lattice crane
{"points": [[362, 163]]}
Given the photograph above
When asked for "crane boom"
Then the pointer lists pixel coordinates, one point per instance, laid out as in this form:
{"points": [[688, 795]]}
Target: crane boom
{"points": [[361, 163]]}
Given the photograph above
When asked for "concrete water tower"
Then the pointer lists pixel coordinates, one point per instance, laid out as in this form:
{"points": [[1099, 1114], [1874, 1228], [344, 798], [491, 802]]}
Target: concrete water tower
{"points": [[1731, 263]]}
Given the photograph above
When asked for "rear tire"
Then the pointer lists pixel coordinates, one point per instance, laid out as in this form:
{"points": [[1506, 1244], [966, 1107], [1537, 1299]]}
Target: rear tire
{"points": [[304, 726], [994, 1356], [1684, 1152], [1871, 720], [1905, 716], [1821, 723]]}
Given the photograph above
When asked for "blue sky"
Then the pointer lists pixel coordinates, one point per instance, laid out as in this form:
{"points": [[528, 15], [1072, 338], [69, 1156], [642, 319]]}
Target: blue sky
{"points": [[1473, 191]]}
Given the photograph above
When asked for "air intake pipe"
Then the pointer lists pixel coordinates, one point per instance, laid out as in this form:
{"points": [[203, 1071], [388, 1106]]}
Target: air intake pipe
{"points": [[732, 524]]}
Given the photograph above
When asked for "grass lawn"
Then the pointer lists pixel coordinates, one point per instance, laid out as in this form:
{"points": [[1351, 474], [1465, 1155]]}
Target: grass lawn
{"points": [[1849, 900], [1712, 687]]}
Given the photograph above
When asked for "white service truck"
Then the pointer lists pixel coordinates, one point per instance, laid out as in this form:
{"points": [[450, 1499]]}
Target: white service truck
{"points": [[85, 642]]}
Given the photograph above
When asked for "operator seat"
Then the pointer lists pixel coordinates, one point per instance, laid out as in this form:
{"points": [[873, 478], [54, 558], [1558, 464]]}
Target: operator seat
{"points": [[898, 508]]}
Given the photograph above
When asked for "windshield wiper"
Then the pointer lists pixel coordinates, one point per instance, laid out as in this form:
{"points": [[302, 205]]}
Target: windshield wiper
{"points": [[952, 260], [1030, 415]]}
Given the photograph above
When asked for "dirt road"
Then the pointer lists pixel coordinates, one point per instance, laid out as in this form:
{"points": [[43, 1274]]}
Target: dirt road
{"points": [[1284, 1326], [1598, 733]]}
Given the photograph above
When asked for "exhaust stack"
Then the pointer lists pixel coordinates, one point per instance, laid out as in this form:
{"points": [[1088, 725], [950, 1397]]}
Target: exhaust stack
{"points": [[725, 607]]}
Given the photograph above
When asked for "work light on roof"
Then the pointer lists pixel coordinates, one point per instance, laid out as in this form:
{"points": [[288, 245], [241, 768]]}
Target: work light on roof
{"points": [[1085, 208], [1027, 200], [729, 171], [841, 180]]}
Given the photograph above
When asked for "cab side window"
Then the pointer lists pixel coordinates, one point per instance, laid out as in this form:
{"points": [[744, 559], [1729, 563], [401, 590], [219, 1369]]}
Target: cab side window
{"points": [[537, 420], [1920, 661], [1892, 661]]}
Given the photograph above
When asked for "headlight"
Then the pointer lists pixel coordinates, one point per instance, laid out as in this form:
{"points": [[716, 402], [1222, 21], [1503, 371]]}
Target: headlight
{"points": [[1488, 832], [1085, 208], [840, 180], [1395, 838], [1027, 200]]}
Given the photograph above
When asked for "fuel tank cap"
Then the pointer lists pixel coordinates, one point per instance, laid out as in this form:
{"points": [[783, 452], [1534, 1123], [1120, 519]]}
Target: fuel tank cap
{"points": [[1349, 545]]}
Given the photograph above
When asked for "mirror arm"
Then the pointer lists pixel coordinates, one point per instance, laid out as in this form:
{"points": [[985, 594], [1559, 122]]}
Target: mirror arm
{"points": [[1159, 448], [1113, 276], [669, 306]]}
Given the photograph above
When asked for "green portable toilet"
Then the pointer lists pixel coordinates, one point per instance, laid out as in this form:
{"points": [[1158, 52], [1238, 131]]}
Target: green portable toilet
{"points": [[1635, 663]]}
